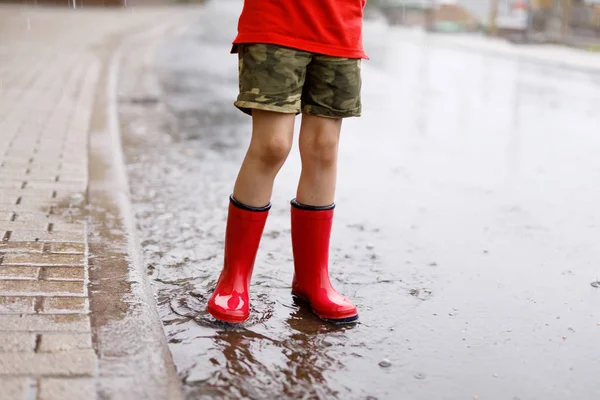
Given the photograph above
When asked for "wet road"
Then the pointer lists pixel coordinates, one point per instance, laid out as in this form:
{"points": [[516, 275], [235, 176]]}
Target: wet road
{"points": [[466, 228]]}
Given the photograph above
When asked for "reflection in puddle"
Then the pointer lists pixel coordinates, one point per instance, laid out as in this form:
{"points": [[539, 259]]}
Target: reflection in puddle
{"points": [[296, 366]]}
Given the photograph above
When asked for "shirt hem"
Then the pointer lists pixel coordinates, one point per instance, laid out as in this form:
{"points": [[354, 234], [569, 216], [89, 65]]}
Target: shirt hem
{"points": [[300, 44]]}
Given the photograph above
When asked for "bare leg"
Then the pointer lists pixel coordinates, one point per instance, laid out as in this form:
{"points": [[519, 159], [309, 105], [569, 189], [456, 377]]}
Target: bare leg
{"points": [[319, 139], [312, 219], [272, 135]]}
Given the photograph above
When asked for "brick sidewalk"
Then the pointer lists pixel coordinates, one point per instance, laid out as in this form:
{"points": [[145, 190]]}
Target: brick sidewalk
{"points": [[50, 65]]}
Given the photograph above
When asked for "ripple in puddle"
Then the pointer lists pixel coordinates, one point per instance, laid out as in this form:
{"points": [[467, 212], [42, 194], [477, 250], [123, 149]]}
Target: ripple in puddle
{"points": [[193, 306]]}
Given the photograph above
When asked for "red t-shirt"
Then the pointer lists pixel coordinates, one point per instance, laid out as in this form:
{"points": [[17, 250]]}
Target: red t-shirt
{"points": [[330, 27]]}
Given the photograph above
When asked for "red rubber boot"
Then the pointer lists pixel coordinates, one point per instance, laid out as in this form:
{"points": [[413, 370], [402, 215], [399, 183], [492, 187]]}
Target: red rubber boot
{"points": [[230, 301], [311, 230]]}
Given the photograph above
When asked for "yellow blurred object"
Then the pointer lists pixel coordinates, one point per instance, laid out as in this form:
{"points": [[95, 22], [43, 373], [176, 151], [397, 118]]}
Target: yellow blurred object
{"points": [[543, 4]]}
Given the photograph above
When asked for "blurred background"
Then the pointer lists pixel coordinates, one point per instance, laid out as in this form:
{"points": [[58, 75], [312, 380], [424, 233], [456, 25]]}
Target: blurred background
{"points": [[573, 22], [565, 21], [467, 217]]}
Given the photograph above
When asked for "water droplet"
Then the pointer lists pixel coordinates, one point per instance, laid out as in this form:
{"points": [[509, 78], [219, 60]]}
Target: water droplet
{"points": [[370, 246], [385, 363], [420, 375]]}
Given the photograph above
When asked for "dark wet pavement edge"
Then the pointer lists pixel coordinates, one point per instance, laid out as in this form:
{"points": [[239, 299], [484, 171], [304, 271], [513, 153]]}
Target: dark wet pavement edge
{"points": [[134, 358]]}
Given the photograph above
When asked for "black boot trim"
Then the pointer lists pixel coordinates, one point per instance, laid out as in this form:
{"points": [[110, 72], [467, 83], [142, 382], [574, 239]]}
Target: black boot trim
{"points": [[249, 208], [306, 207]]}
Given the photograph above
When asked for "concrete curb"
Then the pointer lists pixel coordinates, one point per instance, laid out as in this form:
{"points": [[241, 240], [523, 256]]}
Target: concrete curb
{"points": [[134, 359]]}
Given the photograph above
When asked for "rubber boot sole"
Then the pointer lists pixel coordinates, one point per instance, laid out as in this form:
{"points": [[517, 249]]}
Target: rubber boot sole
{"points": [[337, 321], [225, 318]]}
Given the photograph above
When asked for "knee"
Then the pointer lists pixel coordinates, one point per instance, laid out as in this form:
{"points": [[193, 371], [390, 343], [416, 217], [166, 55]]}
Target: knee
{"points": [[273, 152], [320, 149]]}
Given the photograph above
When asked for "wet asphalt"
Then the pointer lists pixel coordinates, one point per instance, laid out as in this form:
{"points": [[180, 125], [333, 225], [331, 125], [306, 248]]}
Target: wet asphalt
{"points": [[466, 227]]}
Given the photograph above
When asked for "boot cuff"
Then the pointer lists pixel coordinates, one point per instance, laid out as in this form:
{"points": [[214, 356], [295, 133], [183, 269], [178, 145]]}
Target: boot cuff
{"points": [[243, 206], [306, 207]]}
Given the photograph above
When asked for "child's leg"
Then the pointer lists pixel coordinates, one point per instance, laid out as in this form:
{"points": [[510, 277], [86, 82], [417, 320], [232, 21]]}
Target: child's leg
{"points": [[331, 92], [272, 135], [319, 138], [271, 82], [312, 219]]}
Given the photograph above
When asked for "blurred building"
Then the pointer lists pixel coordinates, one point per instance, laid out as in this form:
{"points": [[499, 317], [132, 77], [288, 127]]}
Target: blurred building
{"points": [[567, 17], [438, 15], [539, 20]]}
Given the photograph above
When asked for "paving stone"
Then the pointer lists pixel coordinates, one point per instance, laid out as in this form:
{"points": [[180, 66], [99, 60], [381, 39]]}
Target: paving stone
{"points": [[8, 199], [66, 187], [44, 236], [30, 201], [65, 305], [46, 193], [8, 183], [49, 161], [14, 388], [12, 171], [17, 177], [79, 179], [44, 176], [65, 227], [8, 272], [22, 163], [63, 273], [44, 259], [17, 304], [41, 288], [67, 248], [45, 168], [45, 323], [5, 215], [31, 216], [23, 208], [67, 389], [71, 363], [25, 225], [60, 216], [78, 168], [55, 342], [21, 247], [11, 342]]}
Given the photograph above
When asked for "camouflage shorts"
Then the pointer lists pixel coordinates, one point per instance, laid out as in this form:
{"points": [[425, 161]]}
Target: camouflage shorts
{"points": [[286, 80]]}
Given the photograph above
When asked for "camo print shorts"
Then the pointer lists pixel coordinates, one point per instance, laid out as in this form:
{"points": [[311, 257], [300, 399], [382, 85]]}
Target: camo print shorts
{"points": [[286, 80]]}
